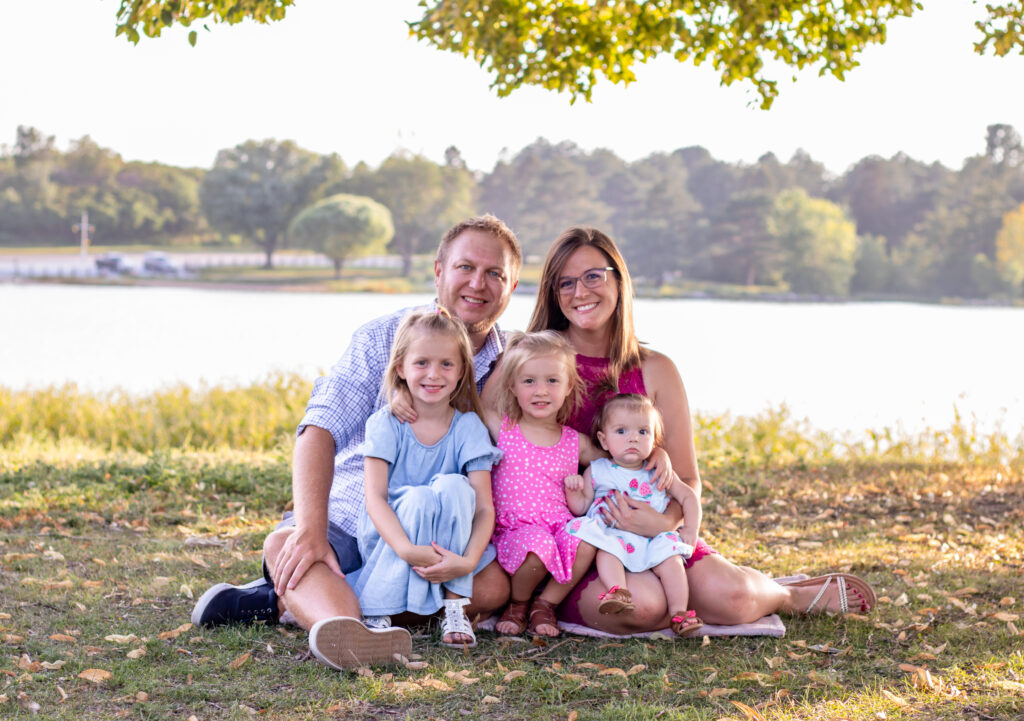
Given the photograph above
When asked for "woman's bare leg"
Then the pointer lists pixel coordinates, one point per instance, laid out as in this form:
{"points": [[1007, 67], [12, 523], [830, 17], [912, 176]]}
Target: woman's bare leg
{"points": [[651, 612]]}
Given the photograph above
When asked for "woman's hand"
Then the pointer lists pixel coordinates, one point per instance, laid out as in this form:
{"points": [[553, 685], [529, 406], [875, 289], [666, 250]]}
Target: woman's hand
{"points": [[451, 565], [660, 466], [401, 406], [621, 511]]}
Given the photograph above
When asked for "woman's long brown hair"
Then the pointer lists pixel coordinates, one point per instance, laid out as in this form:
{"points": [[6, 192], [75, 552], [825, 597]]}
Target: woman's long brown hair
{"points": [[624, 351]]}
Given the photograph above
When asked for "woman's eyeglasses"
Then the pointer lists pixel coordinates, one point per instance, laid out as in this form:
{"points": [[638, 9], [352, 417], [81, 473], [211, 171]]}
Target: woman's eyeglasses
{"points": [[592, 278]]}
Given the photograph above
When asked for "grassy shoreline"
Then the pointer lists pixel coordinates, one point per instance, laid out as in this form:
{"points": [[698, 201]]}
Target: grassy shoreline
{"points": [[112, 524]]}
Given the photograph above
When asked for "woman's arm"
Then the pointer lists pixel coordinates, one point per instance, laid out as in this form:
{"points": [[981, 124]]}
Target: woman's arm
{"points": [[590, 452], [665, 389], [375, 485]]}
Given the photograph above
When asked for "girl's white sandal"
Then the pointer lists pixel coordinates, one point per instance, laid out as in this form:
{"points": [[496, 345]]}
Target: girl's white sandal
{"points": [[456, 621]]}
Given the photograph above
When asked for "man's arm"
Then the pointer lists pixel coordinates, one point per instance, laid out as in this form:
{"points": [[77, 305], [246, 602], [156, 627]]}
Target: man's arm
{"points": [[312, 474]]}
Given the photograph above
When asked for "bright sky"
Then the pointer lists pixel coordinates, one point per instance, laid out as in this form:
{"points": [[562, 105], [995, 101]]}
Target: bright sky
{"points": [[344, 76]]}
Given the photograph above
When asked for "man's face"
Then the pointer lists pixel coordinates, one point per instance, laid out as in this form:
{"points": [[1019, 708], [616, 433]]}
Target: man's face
{"points": [[476, 280]]}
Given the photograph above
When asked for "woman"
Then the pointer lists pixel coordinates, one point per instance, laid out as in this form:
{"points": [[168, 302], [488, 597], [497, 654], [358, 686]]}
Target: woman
{"points": [[586, 294]]}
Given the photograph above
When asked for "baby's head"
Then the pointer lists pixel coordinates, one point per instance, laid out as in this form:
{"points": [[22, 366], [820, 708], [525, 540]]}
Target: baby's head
{"points": [[433, 336], [629, 427], [538, 377]]}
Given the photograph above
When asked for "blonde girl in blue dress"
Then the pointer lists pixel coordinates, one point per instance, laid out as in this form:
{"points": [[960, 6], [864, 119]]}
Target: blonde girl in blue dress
{"points": [[429, 514], [629, 427]]}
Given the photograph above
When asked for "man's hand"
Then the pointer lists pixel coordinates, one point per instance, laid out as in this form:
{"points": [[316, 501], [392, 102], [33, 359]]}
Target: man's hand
{"points": [[621, 511], [574, 482], [300, 551], [451, 565], [401, 406]]}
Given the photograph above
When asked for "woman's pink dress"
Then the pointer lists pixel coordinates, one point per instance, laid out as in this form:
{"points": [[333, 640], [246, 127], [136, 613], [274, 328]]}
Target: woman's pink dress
{"points": [[529, 501]]}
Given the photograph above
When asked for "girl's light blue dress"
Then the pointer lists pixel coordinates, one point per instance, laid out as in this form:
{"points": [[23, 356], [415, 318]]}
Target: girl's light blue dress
{"points": [[636, 552], [430, 493]]}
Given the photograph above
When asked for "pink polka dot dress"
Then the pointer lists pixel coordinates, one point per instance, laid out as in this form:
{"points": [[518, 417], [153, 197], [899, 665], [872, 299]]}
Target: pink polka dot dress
{"points": [[529, 501]]}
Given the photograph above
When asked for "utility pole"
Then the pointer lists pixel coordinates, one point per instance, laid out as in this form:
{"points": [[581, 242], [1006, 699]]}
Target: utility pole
{"points": [[84, 229]]}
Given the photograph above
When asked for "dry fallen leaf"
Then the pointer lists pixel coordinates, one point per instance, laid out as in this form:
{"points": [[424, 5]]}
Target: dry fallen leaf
{"points": [[175, 632], [572, 716], [95, 675], [240, 660], [1009, 685], [136, 653], [512, 675], [491, 699], [613, 671], [141, 697], [63, 638], [53, 666], [750, 713], [1004, 601], [636, 669], [117, 638], [416, 665], [715, 693], [1003, 616], [894, 698]]}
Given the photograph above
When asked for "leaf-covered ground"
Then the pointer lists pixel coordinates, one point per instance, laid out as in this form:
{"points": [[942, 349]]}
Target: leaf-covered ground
{"points": [[102, 554]]}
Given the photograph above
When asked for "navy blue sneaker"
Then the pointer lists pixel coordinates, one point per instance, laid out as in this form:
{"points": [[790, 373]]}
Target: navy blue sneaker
{"points": [[224, 604]]}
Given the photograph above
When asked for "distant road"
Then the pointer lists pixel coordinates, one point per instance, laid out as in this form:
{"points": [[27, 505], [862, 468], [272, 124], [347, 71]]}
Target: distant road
{"points": [[40, 265]]}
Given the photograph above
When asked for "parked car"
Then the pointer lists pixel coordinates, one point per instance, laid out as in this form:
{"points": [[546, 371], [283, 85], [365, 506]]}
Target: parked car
{"points": [[157, 262], [111, 263]]}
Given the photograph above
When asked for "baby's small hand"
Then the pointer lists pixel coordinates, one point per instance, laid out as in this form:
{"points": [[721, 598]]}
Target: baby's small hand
{"points": [[688, 536], [574, 482], [665, 481]]}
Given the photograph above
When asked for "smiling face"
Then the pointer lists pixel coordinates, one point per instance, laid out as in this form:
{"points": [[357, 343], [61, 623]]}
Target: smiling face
{"points": [[628, 435], [588, 308], [475, 279], [432, 367], [541, 386]]}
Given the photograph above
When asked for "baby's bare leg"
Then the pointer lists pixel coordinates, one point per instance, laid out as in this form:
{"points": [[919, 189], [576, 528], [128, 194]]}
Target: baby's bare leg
{"points": [[672, 575], [610, 570]]}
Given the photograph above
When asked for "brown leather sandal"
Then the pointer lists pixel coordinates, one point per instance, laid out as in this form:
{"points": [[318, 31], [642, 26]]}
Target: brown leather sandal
{"points": [[616, 600], [686, 623], [515, 612], [542, 613]]}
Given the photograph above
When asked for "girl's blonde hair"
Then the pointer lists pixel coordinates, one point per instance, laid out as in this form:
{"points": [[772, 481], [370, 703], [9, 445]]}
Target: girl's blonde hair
{"points": [[464, 397], [522, 347], [636, 403]]}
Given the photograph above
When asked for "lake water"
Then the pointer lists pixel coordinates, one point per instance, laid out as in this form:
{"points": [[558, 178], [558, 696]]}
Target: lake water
{"points": [[842, 366]]}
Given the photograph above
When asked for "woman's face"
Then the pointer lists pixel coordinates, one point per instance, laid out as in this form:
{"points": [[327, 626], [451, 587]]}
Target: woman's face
{"points": [[588, 308]]}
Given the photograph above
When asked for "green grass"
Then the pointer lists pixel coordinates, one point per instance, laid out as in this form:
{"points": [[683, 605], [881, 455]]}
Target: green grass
{"points": [[108, 533]]}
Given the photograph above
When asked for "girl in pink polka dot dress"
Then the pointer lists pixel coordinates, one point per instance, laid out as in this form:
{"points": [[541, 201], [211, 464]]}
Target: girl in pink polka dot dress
{"points": [[533, 393]]}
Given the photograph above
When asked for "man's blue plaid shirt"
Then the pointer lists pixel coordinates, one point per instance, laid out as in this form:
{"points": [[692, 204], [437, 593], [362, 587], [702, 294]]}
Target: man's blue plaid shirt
{"points": [[343, 400]]}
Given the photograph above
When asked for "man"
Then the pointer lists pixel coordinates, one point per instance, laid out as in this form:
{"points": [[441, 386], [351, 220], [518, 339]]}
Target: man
{"points": [[307, 556]]}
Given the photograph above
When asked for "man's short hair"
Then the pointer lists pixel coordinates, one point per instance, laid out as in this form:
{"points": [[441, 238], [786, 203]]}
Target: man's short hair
{"points": [[488, 224]]}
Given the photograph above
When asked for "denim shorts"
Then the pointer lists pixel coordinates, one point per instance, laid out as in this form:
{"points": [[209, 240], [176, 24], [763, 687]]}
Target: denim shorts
{"points": [[346, 549]]}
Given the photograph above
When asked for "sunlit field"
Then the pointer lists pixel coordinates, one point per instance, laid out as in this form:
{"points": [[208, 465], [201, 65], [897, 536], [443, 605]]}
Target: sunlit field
{"points": [[118, 511]]}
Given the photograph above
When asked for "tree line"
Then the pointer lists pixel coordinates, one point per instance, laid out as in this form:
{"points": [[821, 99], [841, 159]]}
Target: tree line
{"points": [[885, 227]]}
